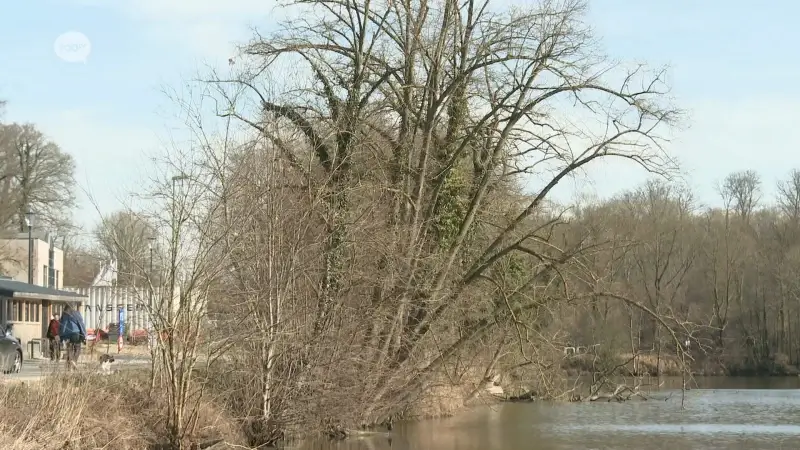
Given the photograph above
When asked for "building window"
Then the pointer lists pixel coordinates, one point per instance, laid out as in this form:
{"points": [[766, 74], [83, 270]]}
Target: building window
{"points": [[56, 309], [44, 276], [56, 280], [25, 311]]}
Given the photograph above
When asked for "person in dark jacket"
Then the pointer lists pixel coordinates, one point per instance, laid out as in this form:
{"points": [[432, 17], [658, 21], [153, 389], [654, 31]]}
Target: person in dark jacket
{"points": [[72, 331], [52, 338]]}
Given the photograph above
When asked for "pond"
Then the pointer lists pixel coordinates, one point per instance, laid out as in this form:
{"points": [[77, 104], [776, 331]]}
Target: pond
{"points": [[720, 413]]}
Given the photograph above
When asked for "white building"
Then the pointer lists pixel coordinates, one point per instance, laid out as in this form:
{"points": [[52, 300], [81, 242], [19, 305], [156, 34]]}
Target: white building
{"points": [[48, 266], [27, 307]]}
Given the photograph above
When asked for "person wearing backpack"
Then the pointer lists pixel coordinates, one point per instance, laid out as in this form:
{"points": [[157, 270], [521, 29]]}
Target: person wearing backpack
{"points": [[72, 330], [52, 338]]}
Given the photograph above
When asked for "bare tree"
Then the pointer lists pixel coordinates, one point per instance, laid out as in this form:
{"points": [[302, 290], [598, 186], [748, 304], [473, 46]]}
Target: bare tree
{"points": [[81, 261], [8, 202], [784, 255], [722, 265], [665, 253], [193, 263], [270, 235], [741, 191], [41, 175], [421, 120], [789, 195], [127, 237]]}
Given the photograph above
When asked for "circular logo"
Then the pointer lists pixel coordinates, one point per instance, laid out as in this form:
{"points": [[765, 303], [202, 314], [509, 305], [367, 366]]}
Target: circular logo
{"points": [[72, 46]]}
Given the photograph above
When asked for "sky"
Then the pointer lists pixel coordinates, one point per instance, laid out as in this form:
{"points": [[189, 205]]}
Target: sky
{"points": [[731, 68]]}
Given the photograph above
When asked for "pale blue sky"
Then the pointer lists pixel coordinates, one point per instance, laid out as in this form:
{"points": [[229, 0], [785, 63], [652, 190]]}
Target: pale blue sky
{"points": [[734, 68]]}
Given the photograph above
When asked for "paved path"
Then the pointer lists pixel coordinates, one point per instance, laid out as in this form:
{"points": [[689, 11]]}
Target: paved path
{"points": [[36, 369]]}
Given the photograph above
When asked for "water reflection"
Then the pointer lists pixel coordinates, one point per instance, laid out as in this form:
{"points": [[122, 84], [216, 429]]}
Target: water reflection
{"points": [[722, 414]]}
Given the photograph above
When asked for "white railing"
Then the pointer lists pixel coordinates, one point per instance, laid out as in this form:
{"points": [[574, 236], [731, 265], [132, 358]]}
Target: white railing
{"points": [[102, 305]]}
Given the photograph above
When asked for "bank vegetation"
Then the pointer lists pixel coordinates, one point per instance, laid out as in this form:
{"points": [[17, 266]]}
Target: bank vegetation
{"points": [[384, 215], [363, 229]]}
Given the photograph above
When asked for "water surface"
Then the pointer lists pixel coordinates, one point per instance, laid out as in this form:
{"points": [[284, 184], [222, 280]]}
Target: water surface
{"points": [[721, 413]]}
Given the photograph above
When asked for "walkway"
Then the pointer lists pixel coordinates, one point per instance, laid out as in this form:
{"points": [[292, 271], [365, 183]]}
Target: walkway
{"points": [[36, 369]]}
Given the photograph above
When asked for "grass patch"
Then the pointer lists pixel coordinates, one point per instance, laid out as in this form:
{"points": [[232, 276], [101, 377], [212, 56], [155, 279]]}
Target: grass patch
{"points": [[87, 411]]}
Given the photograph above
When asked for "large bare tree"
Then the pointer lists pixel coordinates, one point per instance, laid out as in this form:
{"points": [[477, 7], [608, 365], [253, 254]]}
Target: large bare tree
{"points": [[741, 192], [36, 173], [665, 252], [127, 237], [417, 126]]}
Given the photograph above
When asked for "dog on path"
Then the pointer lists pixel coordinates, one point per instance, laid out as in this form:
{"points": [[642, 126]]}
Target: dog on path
{"points": [[105, 363]]}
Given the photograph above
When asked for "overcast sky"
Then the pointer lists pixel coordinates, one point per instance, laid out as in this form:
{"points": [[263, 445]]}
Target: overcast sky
{"points": [[733, 67]]}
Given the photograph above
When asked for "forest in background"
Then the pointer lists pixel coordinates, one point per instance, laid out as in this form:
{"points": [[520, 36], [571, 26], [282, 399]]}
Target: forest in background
{"points": [[726, 275]]}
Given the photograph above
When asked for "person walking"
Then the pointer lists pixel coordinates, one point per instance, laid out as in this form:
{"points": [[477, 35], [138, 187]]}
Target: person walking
{"points": [[52, 338], [72, 330]]}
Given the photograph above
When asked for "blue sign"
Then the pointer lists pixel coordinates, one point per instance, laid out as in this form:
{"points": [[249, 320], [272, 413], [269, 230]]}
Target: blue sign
{"points": [[122, 321]]}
